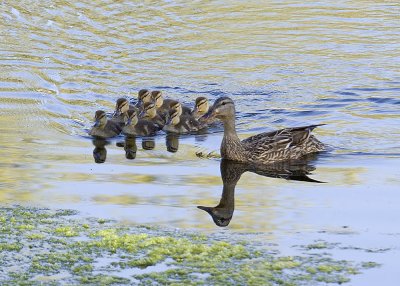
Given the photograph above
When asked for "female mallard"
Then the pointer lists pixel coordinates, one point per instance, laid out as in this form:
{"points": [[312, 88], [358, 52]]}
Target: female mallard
{"points": [[264, 148], [135, 127]]}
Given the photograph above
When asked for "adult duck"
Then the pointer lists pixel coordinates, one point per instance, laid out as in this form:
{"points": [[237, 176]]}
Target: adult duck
{"points": [[264, 148]]}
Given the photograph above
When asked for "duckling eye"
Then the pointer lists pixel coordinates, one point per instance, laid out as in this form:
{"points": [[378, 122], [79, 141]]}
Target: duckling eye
{"points": [[223, 103]]}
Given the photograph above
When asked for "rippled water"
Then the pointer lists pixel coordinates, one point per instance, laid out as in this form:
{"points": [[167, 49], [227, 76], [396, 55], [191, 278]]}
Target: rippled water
{"points": [[284, 64]]}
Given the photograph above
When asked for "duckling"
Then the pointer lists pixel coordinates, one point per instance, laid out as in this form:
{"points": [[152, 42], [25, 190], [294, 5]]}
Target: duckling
{"points": [[181, 123], [134, 126], [176, 105], [103, 127], [149, 113], [164, 105], [264, 148], [144, 96], [121, 108], [201, 107]]}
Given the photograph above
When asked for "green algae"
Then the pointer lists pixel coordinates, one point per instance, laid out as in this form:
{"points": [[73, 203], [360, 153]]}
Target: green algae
{"points": [[56, 246]]}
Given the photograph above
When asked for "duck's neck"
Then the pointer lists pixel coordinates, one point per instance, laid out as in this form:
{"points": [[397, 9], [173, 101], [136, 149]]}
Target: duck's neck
{"points": [[230, 129], [231, 147]]}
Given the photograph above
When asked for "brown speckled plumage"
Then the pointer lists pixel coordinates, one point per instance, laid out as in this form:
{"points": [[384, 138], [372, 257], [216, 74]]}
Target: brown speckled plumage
{"points": [[264, 148]]}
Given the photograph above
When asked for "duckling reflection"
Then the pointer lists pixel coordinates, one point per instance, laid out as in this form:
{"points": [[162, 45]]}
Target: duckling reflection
{"points": [[172, 142], [130, 147], [100, 151], [231, 172], [148, 143]]}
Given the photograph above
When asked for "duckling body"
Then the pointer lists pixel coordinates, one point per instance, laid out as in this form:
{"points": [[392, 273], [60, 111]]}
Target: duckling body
{"points": [[264, 148], [135, 127], [181, 123], [104, 128], [149, 113]]}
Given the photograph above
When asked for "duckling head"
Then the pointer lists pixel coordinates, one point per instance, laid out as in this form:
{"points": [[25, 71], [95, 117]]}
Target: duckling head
{"points": [[121, 106], [100, 119], [173, 118], [201, 105], [223, 109], [144, 96], [149, 110], [131, 118], [157, 98], [176, 105]]}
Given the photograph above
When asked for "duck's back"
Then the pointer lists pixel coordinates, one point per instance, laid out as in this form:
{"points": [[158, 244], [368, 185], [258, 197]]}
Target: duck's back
{"points": [[284, 144]]}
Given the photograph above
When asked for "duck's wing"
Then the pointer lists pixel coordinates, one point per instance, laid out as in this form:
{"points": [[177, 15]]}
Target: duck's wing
{"points": [[271, 145], [298, 133]]}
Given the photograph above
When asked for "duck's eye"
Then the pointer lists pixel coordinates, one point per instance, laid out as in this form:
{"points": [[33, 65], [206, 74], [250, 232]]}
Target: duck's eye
{"points": [[223, 103]]}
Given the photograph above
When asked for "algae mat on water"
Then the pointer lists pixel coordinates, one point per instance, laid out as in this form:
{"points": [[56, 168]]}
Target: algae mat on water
{"points": [[56, 247]]}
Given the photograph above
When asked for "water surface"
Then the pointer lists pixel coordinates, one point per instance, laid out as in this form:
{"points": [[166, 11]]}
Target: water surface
{"points": [[283, 64]]}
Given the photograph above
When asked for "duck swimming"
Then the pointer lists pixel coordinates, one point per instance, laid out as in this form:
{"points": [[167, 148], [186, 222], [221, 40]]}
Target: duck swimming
{"points": [[181, 123], [264, 148], [104, 128], [201, 107], [135, 127], [149, 112], [121, 108]]}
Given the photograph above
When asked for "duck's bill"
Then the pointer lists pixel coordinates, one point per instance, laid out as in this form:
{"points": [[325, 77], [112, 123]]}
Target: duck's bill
{"points": [[96, 123], [128, 122], [116, 113]]}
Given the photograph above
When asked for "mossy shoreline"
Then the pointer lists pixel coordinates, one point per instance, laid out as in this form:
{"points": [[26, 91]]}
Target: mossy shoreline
{"points": [[42, 246]]}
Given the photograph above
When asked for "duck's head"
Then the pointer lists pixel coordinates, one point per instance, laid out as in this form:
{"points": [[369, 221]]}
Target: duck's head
{"points": [[223, 108], [131, 117], [121, 106], [144, 96], [176, 105], [201, 105], [173, 117], [157, 97], [100, 119], [149, 110]]}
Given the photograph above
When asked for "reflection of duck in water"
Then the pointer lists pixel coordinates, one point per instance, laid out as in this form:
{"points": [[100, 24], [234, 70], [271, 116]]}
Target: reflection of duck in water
{"points": [[231, 172], [100, 151], [148, 144], [172, 142], [130, 147], [264, 148]]}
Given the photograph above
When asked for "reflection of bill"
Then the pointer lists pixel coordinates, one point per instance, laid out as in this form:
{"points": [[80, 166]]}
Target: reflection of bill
{"points": [[231, 172], [100, 151]]}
